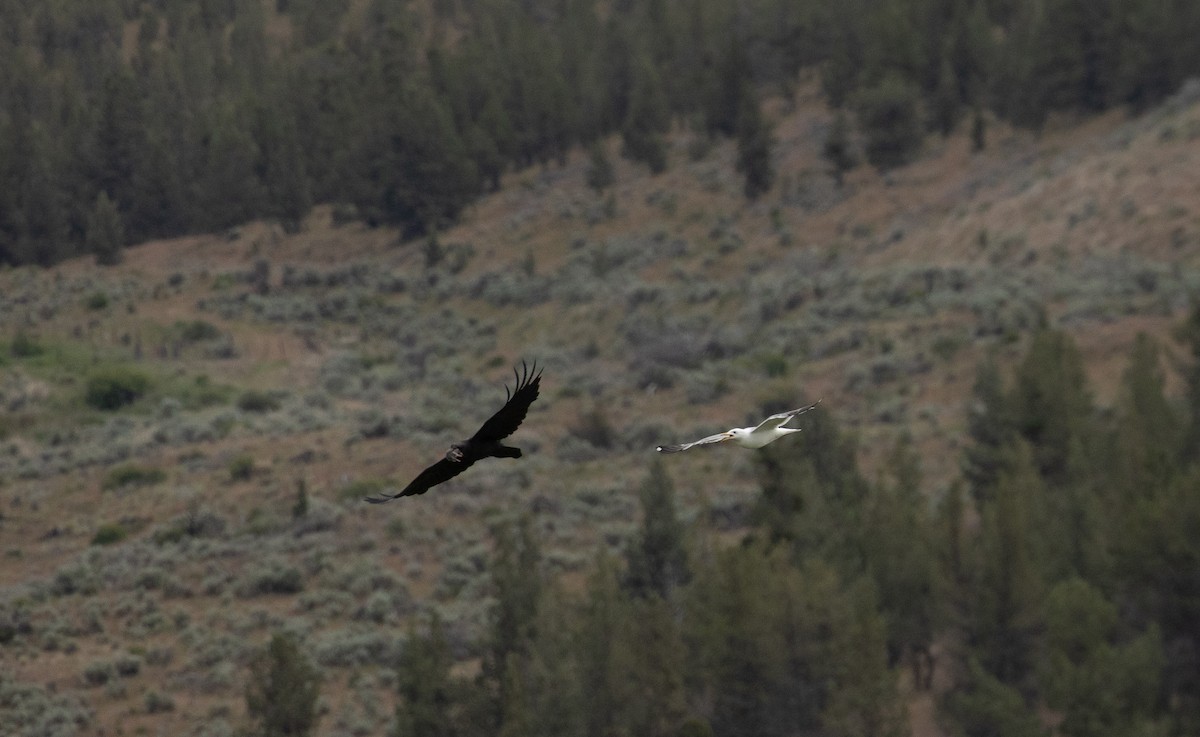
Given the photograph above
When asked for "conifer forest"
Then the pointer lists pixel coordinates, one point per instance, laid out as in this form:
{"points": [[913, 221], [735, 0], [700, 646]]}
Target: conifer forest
{"points": [[261, 259]]}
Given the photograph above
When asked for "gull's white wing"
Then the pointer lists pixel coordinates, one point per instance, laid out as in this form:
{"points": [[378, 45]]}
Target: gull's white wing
{"points": [[702, 441], [775, 421]]}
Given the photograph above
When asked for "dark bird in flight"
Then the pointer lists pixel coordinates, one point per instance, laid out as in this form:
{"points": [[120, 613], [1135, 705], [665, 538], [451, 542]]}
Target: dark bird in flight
{"points": [[483, 444]]}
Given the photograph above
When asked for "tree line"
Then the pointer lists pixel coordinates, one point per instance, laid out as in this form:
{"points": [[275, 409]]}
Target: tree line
{"points": [[124, 120], [1055, 581]]}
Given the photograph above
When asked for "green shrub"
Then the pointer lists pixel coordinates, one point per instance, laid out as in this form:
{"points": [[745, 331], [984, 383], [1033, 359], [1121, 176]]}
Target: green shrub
{"points": [[115, 387], [775, 366], [202, 392], [300, 507], [97, 301], [257, 401], [127, 665], [946, 346], [594, 428], [272, 577], [98, 673], [196, 331], [396, 528], [241, 467], [196, 522], [24, 345], [108, 534], [131, 474], [157, 703]]}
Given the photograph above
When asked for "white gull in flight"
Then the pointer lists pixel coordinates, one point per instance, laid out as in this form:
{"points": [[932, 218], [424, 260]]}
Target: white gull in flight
{"points": [[748, 437]]}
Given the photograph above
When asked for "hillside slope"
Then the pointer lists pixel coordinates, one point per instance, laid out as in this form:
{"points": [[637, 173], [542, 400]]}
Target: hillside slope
{"points": [[150, 549]]}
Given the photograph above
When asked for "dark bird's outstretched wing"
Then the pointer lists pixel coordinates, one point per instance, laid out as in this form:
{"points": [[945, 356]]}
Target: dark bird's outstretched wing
{"points": [[509, 417], [443, 470]]}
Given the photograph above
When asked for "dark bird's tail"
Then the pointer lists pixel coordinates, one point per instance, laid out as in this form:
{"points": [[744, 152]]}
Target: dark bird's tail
{"points": [[383, 497]]}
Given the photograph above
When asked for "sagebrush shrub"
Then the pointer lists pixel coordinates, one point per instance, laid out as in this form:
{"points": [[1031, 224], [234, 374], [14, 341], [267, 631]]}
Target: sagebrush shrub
{"points": [[132, 474], [115, 387]]}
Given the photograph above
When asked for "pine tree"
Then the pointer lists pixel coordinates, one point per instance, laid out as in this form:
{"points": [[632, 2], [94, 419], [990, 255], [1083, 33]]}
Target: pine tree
{"points": [[248, 51], [729, 89], [599, 174], [555, 698], [600, 623], [1052, 405], [1148, 37], [945, 105], [512, 621], [484, 151], [1020, 90], [754, 149], [971, 51], [1007, 585], [1075, 54], [781, 648], [953, 549], [841, 72], [1189, 333], [648, 119], [1154, 559], [978, 129], [812, 493], [427, 690], [161, 200], [838, 148], [537, 98], [420, 177], [35, 223], [991, 428], [1149, 434], [1100, 685], [119, 142], [105, 235], [656, 561], [229, 189], [650, 660], [900, 558], [984, 706], [516, 716], [892, 42], [281, 696], [749, 640], [890, 123], [283, 167], [865, 702]]}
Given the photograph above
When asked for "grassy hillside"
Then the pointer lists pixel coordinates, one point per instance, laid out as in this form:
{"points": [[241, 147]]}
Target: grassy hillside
{"points": [[149, 548]]}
